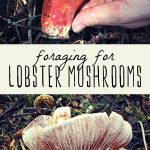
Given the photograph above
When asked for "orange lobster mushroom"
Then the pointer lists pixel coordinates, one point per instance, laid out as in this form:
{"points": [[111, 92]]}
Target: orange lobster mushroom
{"points": [[57, 17]]}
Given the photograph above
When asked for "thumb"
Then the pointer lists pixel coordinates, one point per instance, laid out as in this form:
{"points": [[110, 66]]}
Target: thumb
{"points": [[104, 14]]}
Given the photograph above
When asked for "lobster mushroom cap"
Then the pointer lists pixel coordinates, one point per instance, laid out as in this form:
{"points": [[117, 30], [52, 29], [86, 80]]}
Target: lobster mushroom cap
{"points": [[88, 131], [57, 17]]}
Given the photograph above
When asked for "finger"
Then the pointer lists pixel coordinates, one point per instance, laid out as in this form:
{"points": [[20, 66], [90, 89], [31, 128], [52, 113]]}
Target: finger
{"points": [[136, 24], [105, 14], [92, 3]]}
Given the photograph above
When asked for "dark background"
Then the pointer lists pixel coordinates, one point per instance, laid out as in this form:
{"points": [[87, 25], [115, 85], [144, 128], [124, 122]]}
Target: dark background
{"points": [[17, 26], [16, 111]]}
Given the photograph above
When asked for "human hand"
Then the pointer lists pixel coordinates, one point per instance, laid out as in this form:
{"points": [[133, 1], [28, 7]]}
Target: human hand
{"points": [[124, 13]]}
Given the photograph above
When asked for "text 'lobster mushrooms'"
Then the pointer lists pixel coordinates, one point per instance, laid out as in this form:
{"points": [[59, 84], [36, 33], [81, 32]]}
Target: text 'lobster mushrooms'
{"points": [[84, 132]]}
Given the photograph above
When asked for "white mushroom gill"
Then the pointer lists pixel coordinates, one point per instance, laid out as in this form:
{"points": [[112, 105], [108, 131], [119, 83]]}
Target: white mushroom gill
{"points": [[84, 132]]}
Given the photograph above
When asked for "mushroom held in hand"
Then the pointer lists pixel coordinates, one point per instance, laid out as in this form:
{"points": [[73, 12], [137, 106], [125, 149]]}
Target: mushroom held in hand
{"points": [[57, 17], [89, 131]]}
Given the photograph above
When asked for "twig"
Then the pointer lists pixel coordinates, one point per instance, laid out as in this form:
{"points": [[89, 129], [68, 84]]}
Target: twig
{"points": [[4, 121], [37, 37], [29, 27], [112, 101], [146, 131], [36, 109], [143, 135], [34, 8], [18, 34], [57, 103], [30, 14], [26, 114], [143, 107], [24, 2], [19, 102], [22, 145], [9, 98], [13, 23], [7, 13]]}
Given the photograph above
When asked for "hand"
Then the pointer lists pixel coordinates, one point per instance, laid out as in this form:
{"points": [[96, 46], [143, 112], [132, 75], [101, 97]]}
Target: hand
{"points": [[124, 13]]}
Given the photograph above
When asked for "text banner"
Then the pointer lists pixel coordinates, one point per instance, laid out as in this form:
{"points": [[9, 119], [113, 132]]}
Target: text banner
{"points": [[74, 69]]}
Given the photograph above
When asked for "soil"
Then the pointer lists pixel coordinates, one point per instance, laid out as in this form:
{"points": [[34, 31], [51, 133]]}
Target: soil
{"points": [[20, 24]]}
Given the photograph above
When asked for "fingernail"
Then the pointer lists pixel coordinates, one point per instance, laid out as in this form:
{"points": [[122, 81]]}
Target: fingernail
{"points": [[78, 28]]}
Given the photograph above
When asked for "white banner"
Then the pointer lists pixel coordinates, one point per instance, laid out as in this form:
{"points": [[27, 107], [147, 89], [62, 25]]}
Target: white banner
{"points": [[74, 69]]}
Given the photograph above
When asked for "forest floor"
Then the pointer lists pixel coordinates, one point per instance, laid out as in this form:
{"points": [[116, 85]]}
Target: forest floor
{"points": [[20, 24], [16, 111]]}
